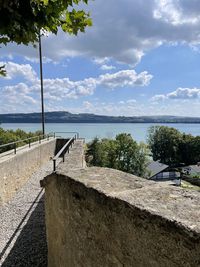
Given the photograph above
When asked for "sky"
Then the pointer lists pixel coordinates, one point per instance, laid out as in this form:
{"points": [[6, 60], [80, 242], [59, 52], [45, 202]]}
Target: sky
{"points": [[140, 57]]}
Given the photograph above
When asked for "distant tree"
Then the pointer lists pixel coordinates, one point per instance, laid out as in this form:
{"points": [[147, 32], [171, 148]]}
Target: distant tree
{"points": [[126, 152], [94, 153], [142, 158], [122, 153], [171, 147], [22, 20], [186, 149], [190, 149], [164, 144]]}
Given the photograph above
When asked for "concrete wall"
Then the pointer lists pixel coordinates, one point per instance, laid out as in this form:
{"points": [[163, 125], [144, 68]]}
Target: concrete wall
{"points": [[16, 169], [104, 217]]}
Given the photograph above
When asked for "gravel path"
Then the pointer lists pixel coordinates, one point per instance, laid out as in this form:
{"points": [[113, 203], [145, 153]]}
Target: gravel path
{"points": [[22, 226]]}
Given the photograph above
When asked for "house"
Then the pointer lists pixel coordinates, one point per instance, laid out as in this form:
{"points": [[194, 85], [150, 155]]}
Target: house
{"points": [[160, 171], [192, 169]]}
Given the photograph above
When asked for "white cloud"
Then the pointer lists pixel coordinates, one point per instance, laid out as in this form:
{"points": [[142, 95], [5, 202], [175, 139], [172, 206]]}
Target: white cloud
{"points": [[138, 109], [131, 101], [177, 12], [125, 78], [87, 105], [17, 98], [179, 93], [36, 60], [105, 108], [158, 98], [107, 67], [184, 93], [65, 88], [28, 92], [124, 31], [24, 71], [100, 61]]}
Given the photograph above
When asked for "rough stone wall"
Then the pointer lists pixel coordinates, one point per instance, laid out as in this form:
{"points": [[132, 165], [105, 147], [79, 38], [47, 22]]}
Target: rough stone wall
{"points": [[104, 217], [15, 170]]}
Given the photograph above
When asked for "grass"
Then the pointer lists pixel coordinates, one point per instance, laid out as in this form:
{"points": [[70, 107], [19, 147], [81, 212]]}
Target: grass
{"points": [[187, 185]]}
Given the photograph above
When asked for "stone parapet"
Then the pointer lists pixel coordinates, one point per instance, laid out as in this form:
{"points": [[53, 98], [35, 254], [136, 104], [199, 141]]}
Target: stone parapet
{"points": [[15, 170], [104, 217]]}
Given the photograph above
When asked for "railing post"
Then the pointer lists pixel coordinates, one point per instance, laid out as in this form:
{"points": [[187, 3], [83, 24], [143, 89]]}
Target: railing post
{"points": [[54, 165], [54, 135], [15, 148], [39, 139], [63, 157]]}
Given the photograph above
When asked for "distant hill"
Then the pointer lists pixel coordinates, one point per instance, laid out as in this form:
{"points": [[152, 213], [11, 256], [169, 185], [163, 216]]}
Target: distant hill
{"points": [[64, 117]]}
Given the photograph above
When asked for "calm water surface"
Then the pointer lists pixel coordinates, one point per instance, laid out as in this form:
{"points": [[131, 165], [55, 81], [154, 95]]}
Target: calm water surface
{"points": [[91, 130]]}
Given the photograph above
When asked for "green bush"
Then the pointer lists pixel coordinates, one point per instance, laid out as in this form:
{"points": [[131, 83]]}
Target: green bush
{"points": [[9, 136], [122, 153]]}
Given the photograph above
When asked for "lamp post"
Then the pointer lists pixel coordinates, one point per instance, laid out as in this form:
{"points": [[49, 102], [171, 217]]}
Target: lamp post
{"points": [[41, 82]]}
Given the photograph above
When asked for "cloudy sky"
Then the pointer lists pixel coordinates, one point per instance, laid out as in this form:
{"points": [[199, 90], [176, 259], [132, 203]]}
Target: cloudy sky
{"points": [[141, 57]]}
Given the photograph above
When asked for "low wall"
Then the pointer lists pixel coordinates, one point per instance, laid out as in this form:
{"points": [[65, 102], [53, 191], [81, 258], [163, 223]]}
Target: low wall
{"points": [[104, 217], [16, 169]]}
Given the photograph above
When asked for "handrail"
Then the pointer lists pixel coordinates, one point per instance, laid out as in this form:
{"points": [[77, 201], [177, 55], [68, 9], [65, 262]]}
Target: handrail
{"points": [[39, 137], [76, 133], [69, 143], [66, 146]]}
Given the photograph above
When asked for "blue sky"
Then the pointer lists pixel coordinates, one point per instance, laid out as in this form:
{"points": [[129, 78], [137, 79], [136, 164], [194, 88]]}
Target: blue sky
{"points": [[139, 58]]}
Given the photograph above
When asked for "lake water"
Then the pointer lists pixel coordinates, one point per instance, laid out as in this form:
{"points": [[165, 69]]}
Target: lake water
{"points": [[91, 130]]}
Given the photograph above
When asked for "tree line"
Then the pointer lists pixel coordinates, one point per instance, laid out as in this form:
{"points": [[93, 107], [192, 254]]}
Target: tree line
{"points": [[164, 144]]}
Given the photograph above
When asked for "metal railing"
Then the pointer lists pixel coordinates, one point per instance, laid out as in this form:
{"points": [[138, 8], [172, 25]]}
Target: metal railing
{"points": [[63, 151], [41, 137], [75, 134], [38, 138]]}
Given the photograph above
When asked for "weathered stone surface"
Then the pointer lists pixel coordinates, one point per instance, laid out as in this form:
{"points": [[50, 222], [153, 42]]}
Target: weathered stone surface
{"points": [[104, 217], [15, 170]]}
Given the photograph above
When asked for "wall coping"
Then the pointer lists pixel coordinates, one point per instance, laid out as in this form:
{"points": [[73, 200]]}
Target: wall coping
{"points": [[174, 204]]}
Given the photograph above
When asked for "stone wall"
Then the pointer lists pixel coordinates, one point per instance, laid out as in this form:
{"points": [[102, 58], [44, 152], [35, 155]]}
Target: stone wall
{"points": [[16, 169], [104, 217]]}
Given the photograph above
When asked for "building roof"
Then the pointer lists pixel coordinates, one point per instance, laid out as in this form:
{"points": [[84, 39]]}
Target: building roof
{"points": [[195, 168], [156, 167]]}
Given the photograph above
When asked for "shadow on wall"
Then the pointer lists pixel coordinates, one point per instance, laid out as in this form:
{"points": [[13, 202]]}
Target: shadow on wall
{"points": [[30, 248]]}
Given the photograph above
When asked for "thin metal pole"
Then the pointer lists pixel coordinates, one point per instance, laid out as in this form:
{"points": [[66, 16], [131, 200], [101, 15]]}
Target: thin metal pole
{"points": [[41, 81], [54, 165]]}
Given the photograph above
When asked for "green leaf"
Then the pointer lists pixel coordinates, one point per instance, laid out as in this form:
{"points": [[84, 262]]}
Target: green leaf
{"points": [[2, 71]]}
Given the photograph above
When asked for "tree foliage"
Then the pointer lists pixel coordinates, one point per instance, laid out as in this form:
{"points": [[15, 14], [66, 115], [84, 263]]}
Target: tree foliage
{"points": [[122, 153], [8, 136], [22, 20], [171, 147], [164, 142], [2, 71]]}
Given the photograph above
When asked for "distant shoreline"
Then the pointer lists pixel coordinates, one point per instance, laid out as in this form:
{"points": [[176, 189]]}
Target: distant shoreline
{"points": [[185, 122], [67, 117]]}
